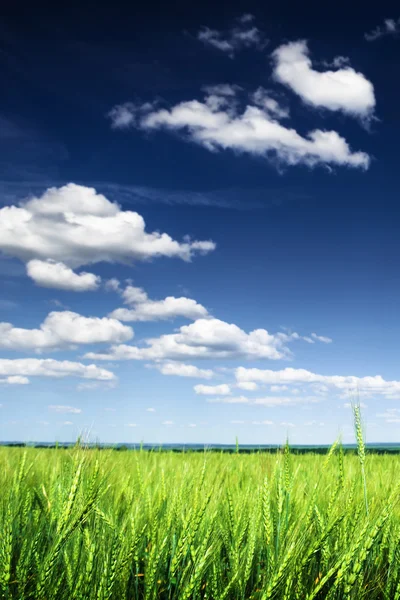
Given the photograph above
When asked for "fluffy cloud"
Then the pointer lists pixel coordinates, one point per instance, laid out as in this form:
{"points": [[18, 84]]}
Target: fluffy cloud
{"points": [[48, 273], [144, 309], [346, 385], [389, 27], [343, 89], [15, 380], [183, 370], [243, 35], [250, 386], [63, 329], [206, 338], [217, 123], [209, 390], [75, 226], [34, 367]]}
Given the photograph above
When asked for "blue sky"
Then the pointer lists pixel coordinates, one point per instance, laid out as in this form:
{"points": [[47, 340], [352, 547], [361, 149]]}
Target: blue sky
{"points": [[199, 223]]}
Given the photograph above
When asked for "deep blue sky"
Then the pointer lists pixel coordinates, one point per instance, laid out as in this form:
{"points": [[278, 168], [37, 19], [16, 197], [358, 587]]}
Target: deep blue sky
{"points": [[311, 249]]}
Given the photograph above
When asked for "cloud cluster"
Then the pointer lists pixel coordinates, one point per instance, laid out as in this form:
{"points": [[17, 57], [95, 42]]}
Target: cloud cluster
{"points": [[144, 309], [389, 27], [206, 338], [35, 367], [345, 385], [243, 35], [64, 329], [216, 123], [344, 89], [72, 226]]}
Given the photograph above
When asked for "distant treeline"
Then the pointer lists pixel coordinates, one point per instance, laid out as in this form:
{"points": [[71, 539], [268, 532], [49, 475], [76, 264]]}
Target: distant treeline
{"points": [[372, 449]]}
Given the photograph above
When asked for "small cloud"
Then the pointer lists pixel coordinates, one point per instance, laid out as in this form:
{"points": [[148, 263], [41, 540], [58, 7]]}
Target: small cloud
{"points": [[67, 423], [222, 389], [192, 425], [243, 35], [237, 422], [112, 285], [15, 380], [321, 338], [389, 27], [131, 425], [286, 424], [247, 385], [278, 388], [61, 408], [168, 423], [262, 422], [152, 410], [107, 409]]}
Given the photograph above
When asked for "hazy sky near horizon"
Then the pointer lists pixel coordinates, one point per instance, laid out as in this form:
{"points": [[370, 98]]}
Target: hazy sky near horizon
{"points": [[199, 222]]}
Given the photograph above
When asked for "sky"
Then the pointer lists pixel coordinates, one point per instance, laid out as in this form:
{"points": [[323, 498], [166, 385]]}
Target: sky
{"points": [[199, 222]]}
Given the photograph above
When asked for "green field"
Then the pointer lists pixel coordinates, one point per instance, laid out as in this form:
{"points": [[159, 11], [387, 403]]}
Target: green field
{"points": [[99, 524]]}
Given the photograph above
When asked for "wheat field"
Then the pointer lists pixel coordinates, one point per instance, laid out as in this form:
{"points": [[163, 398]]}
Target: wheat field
{"points": [[90, 524]]}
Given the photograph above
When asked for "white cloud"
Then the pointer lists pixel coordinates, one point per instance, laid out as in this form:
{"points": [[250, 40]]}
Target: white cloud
{"points": [[210, 390], [244, 35], [206, 338], [131, 425], [48, 273], [35, 367], [168, 423], [67, 423], [321, 338], [75, 226], [61, 408], [344, 89], [346, 385], [247, 385], [63, 329], [151, 409], [217, 124], [145, 309], [262, 422], [15, 380], [183, 370], [389, 27]]}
